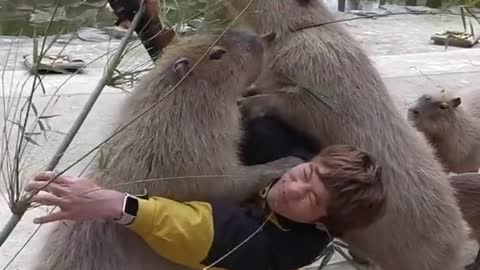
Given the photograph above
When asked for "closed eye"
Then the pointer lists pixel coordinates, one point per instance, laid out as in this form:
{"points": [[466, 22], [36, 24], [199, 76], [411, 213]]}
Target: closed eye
{"points": [[315, 198], [308, 173], [310, 177]]}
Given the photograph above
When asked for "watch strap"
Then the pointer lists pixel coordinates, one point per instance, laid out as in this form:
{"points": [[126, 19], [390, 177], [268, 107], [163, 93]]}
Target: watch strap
{"points": [[129, 210]]}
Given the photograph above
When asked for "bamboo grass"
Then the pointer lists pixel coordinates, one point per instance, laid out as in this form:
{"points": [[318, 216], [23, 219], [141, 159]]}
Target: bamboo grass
{"points": [[21, 207]]}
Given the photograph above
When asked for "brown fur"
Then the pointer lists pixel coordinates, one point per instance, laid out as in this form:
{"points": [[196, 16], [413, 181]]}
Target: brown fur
{"points": [[422, 228], [467, 187], [194, 131], [452, 125]]}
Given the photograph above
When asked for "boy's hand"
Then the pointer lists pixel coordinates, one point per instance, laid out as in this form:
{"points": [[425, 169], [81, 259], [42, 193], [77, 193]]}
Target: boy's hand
{"points": [[78, 198]]}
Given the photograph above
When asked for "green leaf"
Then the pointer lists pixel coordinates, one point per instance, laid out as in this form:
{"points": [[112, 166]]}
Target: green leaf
{"points": [[34, 109], [32, 133], [30, 140], [48, 116], [41, 126]]}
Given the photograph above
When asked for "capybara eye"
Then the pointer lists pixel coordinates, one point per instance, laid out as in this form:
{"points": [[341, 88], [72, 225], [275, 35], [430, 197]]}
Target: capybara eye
{"points": [[443, 106], [217, 52]]}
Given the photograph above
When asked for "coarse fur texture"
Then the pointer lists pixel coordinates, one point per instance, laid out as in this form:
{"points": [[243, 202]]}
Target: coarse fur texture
{"points": [[451, 124], [192, 132], [326, 59], [467, 189]]}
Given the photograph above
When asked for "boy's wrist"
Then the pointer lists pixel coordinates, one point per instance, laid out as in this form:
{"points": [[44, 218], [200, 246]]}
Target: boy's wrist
{"points": [[126, 214], [113, 204]]}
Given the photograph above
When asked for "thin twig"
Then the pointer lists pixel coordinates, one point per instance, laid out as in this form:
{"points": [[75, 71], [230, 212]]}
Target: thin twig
{"points": [[21, 206], [5, 113], [5, 155], [37, 119], [36, 229], [52, 97]]}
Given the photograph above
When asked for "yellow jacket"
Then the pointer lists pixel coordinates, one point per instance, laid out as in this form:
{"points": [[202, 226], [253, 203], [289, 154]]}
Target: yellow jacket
{"points": [[199, 234]]}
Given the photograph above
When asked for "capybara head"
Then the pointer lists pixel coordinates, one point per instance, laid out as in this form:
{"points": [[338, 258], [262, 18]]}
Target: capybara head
{"points": [[211, 61], [434, 114]]}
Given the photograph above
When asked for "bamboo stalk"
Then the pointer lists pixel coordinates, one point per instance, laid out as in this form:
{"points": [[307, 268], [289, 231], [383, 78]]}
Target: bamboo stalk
{"points": [[19, 210], [10, 226]]}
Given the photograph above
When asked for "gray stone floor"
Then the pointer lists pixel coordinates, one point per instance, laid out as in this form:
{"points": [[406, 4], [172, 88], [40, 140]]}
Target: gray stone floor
{"points": [[398, 45]]}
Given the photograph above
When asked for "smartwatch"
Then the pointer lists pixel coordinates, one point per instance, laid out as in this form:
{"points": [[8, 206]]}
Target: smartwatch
{"points": [[129, 210]]}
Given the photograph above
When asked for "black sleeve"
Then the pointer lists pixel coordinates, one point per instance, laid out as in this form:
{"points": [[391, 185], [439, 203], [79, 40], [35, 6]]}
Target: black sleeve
{"points": [[232, 226]]}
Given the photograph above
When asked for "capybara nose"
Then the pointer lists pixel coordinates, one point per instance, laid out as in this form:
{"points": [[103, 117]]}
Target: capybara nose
{"points": [[239, 101]]}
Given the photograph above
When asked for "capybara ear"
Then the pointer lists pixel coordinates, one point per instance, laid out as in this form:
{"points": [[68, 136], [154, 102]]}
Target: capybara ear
{"points": [[181, 66], [269, 37], [456, 101]]}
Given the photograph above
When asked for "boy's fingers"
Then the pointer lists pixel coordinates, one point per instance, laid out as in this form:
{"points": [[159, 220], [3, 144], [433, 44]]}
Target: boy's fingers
{"points": [[50, 218], [48, 175], [43, 176], [33, 186], [46, 199], [51, 187]]}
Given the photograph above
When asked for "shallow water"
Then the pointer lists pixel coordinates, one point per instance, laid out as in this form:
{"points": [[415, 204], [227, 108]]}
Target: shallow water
{"points": [[23, 17]]}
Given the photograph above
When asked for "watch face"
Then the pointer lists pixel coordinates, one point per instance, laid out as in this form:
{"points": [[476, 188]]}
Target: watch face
{"points": [[131, 206]]}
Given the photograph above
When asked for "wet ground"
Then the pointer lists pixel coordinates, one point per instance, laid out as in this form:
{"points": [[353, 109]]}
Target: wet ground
{"points": [[399, 45]]}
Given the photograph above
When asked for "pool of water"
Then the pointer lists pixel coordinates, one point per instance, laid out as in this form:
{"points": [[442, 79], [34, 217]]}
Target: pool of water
{"points": [[23, 17]]}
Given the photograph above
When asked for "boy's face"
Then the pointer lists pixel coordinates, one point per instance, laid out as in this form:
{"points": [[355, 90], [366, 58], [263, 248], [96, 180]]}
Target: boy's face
{"points": [[299, 195]]}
